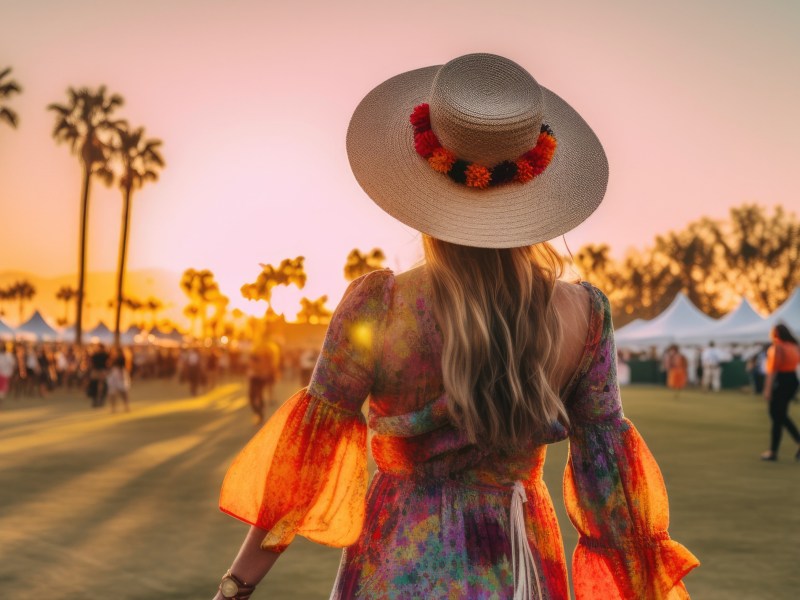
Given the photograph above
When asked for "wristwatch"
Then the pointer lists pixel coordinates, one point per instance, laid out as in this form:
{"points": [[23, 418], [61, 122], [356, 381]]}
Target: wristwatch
{"points": [[233, 588]]}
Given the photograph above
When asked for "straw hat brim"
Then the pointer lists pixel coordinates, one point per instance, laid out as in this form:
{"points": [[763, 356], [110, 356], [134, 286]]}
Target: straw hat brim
{"points": [[380, 147]]}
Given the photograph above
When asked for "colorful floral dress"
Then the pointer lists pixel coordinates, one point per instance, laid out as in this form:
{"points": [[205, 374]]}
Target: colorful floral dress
{"points": [[436, 521]]}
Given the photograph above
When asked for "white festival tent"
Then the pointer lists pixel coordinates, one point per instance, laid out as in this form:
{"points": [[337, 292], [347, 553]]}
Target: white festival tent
{"points": [[37, 327], [723, 330], [101, 333], [129, 336], [678, 321], [787, 313], [634, 325], [6, 332]]}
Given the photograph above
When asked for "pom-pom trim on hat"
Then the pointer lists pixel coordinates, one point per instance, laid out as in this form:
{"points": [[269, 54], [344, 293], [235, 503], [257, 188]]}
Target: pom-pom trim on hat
{"points": [[522, 170]]}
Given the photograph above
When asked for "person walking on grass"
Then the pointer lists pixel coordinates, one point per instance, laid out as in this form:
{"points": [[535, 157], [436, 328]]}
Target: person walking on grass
{"points": [[677, 372], [255, 386], [119, 380], [98, 371], [7, 365], [711, 360], [780, 387], [473, 362]]}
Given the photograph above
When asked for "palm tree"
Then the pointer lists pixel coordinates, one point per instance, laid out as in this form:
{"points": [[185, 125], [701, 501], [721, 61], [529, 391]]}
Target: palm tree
{"points": [[359, 264], [134, 306], [221, 303], [5, 295], [66, 294], [191, 310], [202, 289], [22, 291], [314, 311], [154, 305], [140, 160], [288, 272], [85, 124], [7, 89]]}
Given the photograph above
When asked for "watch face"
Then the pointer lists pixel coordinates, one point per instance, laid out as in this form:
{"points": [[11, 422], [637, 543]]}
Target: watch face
{"points": [[228, 588]]}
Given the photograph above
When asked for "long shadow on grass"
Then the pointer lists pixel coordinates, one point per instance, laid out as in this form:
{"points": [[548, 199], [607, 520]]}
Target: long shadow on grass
{"points": [[30, 478]]}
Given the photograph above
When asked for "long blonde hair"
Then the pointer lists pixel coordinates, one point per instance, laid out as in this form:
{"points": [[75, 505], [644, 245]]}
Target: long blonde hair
{"points": [[500, 338]]}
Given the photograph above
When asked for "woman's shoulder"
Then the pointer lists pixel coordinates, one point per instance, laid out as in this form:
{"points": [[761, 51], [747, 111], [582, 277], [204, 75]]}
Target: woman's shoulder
{"points": [[582, 311], [368, 295]]}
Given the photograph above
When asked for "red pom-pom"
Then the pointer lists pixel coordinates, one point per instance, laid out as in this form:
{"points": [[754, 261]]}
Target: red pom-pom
{"points": [[425, 143], [421, 118]]}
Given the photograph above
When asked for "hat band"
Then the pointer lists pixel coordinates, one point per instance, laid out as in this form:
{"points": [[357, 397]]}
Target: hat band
{"points": [[528, 166]]}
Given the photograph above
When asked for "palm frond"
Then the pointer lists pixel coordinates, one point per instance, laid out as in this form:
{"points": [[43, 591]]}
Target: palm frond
{"points": [[105, 174], [8, 115], [62, 110], [9, 88]]}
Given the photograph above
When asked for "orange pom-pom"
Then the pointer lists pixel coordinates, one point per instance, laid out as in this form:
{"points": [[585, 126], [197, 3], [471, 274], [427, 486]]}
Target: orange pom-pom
{"points": [[524, 171], [442, 160], [478, 176]]}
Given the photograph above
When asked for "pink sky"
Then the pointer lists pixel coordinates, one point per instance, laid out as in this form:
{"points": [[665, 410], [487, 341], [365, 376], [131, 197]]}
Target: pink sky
{"points": [[695, 101]]}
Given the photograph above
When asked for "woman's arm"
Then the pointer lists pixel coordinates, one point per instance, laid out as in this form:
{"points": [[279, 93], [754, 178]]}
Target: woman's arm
{"points": [[771, 359], [252, 563]]}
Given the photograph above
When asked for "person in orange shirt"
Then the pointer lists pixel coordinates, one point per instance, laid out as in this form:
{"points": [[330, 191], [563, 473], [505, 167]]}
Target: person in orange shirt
{"points": [[676, 369], [781, 386]]}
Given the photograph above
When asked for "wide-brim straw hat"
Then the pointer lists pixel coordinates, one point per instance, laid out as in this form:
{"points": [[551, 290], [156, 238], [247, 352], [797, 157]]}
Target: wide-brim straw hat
{"points": [[485, 109]]}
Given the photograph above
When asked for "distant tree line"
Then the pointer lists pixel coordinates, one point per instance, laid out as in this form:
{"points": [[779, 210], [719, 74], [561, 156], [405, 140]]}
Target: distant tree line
{"points": [[753, 253]]}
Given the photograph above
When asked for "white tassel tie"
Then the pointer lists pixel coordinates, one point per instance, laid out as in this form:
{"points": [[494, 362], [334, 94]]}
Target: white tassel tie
{"points": [[525, 570]]}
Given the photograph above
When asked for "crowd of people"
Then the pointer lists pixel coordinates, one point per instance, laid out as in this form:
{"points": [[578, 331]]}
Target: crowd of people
{"points": [[106, 374], [700, 367]]}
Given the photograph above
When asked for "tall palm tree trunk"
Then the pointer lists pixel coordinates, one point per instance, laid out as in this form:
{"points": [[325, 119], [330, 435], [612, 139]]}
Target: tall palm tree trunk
{"points": [[87, 177], [123, 249]]}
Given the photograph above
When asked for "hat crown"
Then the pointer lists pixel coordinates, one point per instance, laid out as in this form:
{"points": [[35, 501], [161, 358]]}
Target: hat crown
{"points": [[486, 108]]}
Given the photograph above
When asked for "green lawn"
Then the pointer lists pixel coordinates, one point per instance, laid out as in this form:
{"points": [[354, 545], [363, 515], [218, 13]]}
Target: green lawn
{"points": [[126, 504]]}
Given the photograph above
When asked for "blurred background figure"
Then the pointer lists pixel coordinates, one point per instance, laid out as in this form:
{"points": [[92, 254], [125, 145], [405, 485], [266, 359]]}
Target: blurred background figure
{"points": [[712, 371], [308, 359], [98, 372], [255, 387], [211, 369], [119, 380], [677, 369], [757, 368], [34, 371], [192, 369], [780, 387], [7, 365]]}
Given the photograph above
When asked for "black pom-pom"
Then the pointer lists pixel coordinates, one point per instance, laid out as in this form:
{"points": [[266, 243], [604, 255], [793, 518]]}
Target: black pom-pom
{"points": [[504, 172], [546, 129], [458, 172]]}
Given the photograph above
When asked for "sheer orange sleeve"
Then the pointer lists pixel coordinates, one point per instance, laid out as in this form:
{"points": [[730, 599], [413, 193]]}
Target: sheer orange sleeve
{"points": [[614, 492], [305, 471]]}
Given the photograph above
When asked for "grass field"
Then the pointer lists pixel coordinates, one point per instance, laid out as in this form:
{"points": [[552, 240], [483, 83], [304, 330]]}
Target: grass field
{"points": [[124, 506]]}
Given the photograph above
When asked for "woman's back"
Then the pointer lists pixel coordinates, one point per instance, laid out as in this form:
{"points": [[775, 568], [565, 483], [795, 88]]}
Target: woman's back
{"points": [[441, 511], [410, 360]]}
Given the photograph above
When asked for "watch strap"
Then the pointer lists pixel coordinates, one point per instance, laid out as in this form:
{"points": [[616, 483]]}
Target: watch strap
{"points": [[245, 590]]}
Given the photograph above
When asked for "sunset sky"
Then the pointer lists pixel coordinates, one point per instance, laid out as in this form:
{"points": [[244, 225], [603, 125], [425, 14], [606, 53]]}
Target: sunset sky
{"points": [[695, 101]]}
